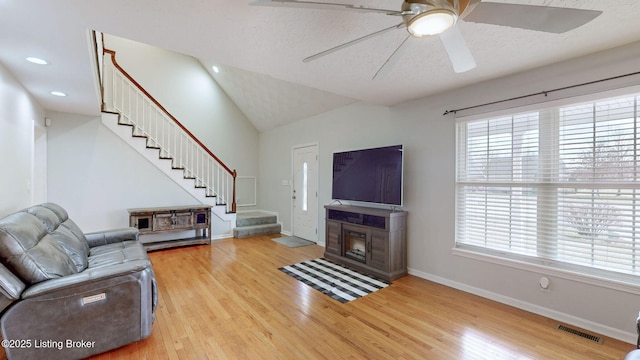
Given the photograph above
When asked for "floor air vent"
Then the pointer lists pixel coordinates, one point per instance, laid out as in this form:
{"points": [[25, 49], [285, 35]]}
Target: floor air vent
{"points": [[582, 334]]}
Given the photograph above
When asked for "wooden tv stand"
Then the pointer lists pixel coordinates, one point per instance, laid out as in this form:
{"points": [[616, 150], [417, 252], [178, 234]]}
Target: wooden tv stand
{"points": [[174, 218], [370, 240]]}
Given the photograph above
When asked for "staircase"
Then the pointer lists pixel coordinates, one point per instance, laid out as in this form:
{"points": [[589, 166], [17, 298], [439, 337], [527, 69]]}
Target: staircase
{"points": [[255, 223], [165, 164], [136, 117]]}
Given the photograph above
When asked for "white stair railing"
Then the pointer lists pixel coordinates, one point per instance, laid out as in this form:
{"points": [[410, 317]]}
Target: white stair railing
{"points": [[149, 119]]}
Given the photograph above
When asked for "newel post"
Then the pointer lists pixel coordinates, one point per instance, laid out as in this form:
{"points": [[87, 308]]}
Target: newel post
{"points": [[233, 198]]}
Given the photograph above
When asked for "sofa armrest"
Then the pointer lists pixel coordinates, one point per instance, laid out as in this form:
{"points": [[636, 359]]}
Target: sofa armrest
{"points": [[106, 308], [112, 236], [85, 278], [638, 331], [11, 288]]}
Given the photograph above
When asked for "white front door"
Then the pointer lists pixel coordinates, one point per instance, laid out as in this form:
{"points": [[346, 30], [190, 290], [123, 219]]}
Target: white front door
{"points": [[305, 192]]}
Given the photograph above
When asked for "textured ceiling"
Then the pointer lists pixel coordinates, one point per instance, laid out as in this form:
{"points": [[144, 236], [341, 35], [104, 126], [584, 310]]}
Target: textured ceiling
{"points": [[269, 102], [261, 48]]}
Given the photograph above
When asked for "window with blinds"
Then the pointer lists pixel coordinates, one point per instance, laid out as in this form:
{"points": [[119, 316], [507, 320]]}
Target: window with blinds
{"points": [[559, 185]]}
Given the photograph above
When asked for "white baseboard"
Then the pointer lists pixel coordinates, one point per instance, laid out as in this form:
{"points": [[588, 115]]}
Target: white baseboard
{"points": [[533, 308], [284, 232]]}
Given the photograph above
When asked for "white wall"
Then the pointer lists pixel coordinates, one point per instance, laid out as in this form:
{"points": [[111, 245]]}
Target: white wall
{"points": [[429, 192], [188, 92], [18, 111]]}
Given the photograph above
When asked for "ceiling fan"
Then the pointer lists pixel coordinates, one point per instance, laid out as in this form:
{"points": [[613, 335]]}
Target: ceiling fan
{"points": [[439, 17]]}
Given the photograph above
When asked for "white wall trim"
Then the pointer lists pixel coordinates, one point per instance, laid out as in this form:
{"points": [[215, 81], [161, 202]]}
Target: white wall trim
{"points": [[222, 237], [590, 279], [533, 308], [252, 183], [38, 182]]}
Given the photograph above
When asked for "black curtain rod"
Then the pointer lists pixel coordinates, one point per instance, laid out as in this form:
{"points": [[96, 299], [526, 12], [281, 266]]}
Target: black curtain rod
{"points": [[545, 93]]}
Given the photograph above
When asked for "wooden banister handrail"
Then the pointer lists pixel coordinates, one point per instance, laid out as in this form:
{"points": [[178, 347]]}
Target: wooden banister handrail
{"points": [[233, 172]]}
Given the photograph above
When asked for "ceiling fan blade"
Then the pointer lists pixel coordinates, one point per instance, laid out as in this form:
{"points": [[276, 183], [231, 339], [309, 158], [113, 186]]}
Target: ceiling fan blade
{"points": [[323, 5], [533, 17], [466, 7], [458, 51], [352, 42], [393, 58]]}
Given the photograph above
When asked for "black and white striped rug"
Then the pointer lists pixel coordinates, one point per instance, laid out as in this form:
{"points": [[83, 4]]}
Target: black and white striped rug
{"points": [[337, 281]]}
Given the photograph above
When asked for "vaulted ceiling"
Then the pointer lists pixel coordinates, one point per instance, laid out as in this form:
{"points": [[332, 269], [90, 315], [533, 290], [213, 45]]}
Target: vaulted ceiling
{"points": [[260, 50]]}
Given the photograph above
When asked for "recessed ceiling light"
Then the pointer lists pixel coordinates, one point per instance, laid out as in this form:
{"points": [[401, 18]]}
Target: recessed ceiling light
{"points": [[36, 60], [216, 69], [58, 93]]}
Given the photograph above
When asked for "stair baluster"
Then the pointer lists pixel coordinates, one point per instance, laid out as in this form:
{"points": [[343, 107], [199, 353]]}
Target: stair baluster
{"points": [[150, 120]]}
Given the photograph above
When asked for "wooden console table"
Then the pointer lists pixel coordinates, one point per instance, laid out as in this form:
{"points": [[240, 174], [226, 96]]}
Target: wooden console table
{"points": [[175, 218]]}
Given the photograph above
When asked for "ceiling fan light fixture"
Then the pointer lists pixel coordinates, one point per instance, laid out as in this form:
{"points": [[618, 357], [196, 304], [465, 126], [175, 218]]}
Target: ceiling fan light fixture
{"points": [[432, 22]]}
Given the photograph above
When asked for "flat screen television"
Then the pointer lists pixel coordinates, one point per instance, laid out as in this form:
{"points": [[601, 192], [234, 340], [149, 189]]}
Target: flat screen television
{"points": [[369, 175]]}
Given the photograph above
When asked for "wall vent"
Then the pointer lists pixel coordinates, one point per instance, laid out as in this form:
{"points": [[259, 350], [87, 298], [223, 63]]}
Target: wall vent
{"points": [[582, 334]]}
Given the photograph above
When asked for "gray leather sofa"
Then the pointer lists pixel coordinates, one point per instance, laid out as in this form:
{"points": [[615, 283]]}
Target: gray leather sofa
{"points": [[69, 295], [635, 354]]}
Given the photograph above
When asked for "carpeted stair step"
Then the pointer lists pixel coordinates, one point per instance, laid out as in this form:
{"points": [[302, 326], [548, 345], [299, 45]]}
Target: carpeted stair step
{"points": [[251, 218], [256, 230], [255, 223]]}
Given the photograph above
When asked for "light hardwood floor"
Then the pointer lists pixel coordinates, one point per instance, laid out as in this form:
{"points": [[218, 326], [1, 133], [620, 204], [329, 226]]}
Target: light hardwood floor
{"points": [[230, 301]]}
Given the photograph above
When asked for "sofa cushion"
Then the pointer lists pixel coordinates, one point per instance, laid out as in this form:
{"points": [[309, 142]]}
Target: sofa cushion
{"points": [[60, 212], [29, 251], [76, 247], [48, 218], [117, 253], [63, 216], [77, 250]]}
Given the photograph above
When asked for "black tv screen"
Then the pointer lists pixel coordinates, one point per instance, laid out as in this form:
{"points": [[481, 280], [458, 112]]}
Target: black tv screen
{"points": [[369, 175]]}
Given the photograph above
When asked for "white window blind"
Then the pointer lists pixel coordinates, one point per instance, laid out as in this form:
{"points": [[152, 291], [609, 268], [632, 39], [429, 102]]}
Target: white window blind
{"points": [[559, 185]]}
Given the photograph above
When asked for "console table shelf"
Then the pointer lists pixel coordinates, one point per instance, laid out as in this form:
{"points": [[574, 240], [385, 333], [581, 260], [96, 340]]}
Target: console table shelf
{"points": [[370, 240], [157, 220]]}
